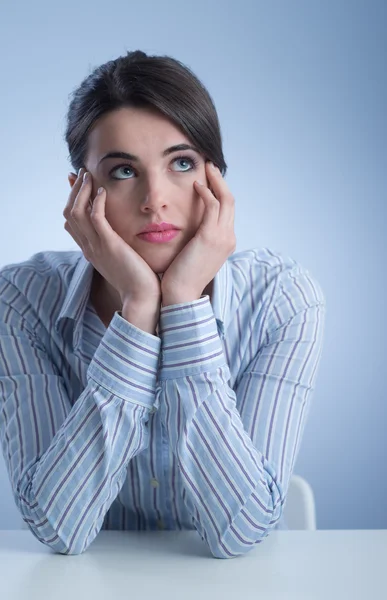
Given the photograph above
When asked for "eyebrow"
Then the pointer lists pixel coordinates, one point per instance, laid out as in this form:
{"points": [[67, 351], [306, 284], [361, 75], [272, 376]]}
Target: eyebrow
{"points": [[134, 158]]}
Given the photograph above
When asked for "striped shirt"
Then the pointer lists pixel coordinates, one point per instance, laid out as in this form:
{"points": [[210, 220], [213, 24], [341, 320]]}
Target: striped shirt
{"points": [[198, 427]]}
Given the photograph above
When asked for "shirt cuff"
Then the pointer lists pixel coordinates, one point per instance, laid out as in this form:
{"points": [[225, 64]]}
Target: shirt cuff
{"points": [[126, 362], [190, 339]]}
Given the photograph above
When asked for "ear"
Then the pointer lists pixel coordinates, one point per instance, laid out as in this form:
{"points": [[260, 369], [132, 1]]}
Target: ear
{"points": [[72, 177]]}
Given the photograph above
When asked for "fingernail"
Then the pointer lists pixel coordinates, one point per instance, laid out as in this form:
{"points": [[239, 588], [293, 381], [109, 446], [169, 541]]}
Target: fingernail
{"points": [[212, 165], [79, 172], [86, 177]]}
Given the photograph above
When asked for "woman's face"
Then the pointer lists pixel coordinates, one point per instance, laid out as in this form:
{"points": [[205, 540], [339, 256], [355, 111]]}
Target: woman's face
{"points": [[152, 188]]}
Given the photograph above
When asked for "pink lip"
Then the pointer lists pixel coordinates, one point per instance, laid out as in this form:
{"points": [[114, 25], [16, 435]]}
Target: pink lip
{"points": [[163, 226], [159, 236]]}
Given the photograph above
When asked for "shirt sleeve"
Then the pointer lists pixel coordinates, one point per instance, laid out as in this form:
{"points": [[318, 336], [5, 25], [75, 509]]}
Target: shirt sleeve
{"points": [[236, 448], [67, 463]]}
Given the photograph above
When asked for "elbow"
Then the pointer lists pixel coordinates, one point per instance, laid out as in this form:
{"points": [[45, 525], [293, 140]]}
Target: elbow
{"points": [[53, 541], [70, 552], [234, 549], [246, 531], [65, 539], [236, 542]]}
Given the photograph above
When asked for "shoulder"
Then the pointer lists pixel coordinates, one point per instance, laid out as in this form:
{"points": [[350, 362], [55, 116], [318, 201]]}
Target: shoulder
{"points": [[265, 273], [24, 285], [42, 266]]}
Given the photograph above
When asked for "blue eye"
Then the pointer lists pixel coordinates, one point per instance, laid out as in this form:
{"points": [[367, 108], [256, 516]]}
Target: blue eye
{"points": [[181, 158]]}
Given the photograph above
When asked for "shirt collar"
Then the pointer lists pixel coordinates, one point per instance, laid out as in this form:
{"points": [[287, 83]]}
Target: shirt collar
{"points": [[224, 301], [77, 297]]}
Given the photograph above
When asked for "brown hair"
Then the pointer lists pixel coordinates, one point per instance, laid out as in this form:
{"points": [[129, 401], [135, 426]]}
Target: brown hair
{"points": [[137, 80]]}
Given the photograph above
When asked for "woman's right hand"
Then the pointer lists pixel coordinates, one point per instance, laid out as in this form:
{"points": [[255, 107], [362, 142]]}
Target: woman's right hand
{"points": [[112, 257]]}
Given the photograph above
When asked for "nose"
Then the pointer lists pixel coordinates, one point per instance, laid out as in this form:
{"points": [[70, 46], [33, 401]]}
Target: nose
{"points": [[155, 194], [153, 202]]}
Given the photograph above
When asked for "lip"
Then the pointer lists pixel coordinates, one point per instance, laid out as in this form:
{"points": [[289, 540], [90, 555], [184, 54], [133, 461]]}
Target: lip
{"points": [[163, 226], [159, 237]]}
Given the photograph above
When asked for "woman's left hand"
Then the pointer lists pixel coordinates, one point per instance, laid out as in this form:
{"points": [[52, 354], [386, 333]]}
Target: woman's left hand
{"points": [[202, 257]]}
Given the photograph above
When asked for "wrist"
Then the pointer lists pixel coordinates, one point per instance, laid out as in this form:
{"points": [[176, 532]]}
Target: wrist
{"points": [[143, 315], [181, 297]]}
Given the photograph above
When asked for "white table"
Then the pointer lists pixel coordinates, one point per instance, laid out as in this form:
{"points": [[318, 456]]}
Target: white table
{"points": [[161, 565]]}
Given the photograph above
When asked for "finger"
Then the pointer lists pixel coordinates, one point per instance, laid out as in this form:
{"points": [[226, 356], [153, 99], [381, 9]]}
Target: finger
{"points": [[223, 194], [77, 239], [106, 233], [217, 183], [212, 207], [99, 232], [73, 193], [69, 229], [80, 217]]}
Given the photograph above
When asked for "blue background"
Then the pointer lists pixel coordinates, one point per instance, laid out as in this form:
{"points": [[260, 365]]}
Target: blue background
{"points": [[300, 88]]}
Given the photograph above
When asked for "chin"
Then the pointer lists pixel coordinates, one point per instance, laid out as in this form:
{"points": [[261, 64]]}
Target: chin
{"points": [[159, 265]]}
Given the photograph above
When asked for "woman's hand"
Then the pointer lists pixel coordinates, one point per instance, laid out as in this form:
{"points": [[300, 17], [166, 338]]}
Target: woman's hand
{"points": [[202, 257], [113, 258]]}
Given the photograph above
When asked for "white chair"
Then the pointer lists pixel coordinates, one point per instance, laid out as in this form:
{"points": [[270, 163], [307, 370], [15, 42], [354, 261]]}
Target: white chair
{"points": [[300, 508]]}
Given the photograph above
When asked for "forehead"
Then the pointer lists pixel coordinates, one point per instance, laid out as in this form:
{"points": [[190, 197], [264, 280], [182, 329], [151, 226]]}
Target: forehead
{"points": [[134, 129]]}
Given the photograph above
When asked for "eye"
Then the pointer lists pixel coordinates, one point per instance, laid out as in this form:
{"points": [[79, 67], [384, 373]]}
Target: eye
{"points": [[187, 159], [192, 161]]}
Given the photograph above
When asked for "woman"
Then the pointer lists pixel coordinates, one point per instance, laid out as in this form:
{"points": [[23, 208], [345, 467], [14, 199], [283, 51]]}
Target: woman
{"points": [[154, 382]]}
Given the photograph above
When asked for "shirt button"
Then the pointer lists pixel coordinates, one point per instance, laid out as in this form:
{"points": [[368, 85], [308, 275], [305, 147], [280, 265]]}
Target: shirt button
{"points": [[154, 483], [160, 524]]}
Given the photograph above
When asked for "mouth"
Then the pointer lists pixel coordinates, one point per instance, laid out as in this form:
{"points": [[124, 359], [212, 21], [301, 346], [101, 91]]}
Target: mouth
{"points": [[159, 236]]}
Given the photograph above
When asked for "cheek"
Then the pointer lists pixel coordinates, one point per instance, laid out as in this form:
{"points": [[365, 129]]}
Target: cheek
{"points": [[115, 206], [110, 213], [119, 219]]}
